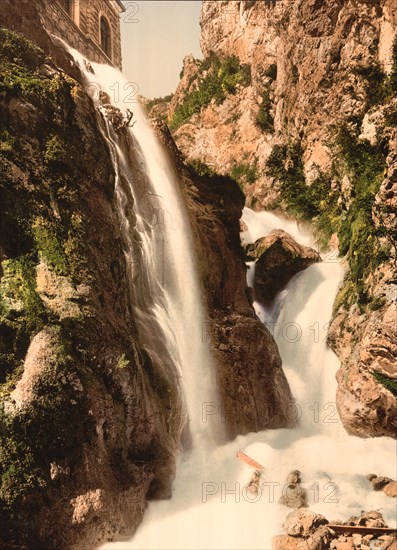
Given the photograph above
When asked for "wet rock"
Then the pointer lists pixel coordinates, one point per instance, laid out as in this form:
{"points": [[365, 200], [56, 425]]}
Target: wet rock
{"points": [[279, 257], [254, 391], [378, 482], [391, 489], [294, 496], [254, 484], [303, 522], [294, 477]]}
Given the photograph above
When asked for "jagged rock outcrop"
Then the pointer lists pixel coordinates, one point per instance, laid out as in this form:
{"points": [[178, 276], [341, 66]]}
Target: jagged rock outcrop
{"points": [[278, 258], [312, 132], [382, 483], [306, 57], [365, 339]]}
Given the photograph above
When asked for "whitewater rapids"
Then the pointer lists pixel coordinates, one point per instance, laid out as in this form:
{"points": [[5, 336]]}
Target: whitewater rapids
{"points": [[210, 507]]}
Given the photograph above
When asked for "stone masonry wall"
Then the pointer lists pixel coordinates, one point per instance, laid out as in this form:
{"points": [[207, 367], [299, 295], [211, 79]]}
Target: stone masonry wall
{"points": [[85, 37]]}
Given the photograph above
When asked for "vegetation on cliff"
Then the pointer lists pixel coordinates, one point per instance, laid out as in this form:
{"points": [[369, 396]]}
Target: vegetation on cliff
{"points": [[69, 358], [320, 202], [216, 78]]}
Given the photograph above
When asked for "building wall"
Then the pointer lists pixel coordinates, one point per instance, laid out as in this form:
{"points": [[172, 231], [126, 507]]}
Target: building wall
{"points": [[82, 29]]}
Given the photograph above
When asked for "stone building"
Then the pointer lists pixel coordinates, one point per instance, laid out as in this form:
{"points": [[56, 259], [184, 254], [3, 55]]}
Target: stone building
{"points": [[90, 26]]}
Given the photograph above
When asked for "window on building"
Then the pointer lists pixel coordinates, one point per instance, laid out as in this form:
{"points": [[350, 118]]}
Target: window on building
{"points": [[67, 6], [106, 37]]}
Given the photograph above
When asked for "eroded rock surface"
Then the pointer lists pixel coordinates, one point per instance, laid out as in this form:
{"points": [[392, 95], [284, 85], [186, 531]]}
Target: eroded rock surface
{"points": [[278, 258]]}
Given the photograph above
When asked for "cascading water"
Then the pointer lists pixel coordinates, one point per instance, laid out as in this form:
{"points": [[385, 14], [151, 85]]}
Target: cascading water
{"points": [[165, 289], [211, 507]]}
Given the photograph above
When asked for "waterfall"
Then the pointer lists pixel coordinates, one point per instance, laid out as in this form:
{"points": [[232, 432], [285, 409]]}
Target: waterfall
{"points": [[211, 508], [165, 289]]}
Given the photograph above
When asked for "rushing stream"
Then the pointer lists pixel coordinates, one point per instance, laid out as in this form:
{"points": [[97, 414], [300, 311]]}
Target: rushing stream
{"points": [[210, 507]]}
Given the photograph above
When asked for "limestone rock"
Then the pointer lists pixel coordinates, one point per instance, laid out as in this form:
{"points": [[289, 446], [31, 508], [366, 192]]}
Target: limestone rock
{"points": [[378, 482], [279, 258], [294, 496], [391, 489], [303, 522], [38, 359]]}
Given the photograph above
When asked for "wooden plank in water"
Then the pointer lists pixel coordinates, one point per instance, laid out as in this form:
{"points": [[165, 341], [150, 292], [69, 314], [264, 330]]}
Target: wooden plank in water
{"points": [[361, 529], [250, 461]]}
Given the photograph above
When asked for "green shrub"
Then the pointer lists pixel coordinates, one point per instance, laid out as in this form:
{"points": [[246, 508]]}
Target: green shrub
{"points": [[376, 84], [49, 246], [358, 237], [286, 167], [388, 383], [244, 173], [223, 75], [201, 168], [318, 202], [17, 50], [265, 119], [379, 87], [158, 101], [22, 313]]}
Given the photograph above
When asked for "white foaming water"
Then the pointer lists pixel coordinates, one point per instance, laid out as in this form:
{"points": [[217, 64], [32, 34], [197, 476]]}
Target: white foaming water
{"points": [[210, 507]]}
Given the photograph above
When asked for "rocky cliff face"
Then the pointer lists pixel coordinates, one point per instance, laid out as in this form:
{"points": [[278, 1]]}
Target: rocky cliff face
{"points": [[83, 440], [85, 435], [311, 131]]}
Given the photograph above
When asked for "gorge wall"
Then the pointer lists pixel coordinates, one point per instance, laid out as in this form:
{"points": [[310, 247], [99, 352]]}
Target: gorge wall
{"points": [[297, 101], [84, 435]]}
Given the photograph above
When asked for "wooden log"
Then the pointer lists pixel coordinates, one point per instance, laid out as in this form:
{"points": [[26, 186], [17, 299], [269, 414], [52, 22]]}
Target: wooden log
{"points": [[361, 529], [250, 461]]}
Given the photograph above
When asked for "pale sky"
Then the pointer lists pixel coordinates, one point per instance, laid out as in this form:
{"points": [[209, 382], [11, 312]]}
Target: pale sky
{"points": [[156, 36]]}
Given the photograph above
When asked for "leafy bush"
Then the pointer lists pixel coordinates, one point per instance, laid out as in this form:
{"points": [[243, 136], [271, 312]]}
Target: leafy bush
{"points": [[388, 383], [157, 101], [358, 237], [265, 119], [379, 87], [201, 168], [49, 246], [376, 84], [18, 50], [244, 173], [222, 76], [303, 201]]}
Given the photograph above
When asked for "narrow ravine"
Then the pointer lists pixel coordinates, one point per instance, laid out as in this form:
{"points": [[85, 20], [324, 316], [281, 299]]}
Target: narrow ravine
{"points": [[211, 507]]}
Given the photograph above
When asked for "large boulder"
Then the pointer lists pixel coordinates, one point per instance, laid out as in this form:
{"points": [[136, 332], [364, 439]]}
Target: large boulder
{"points": [[278, 258]]}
